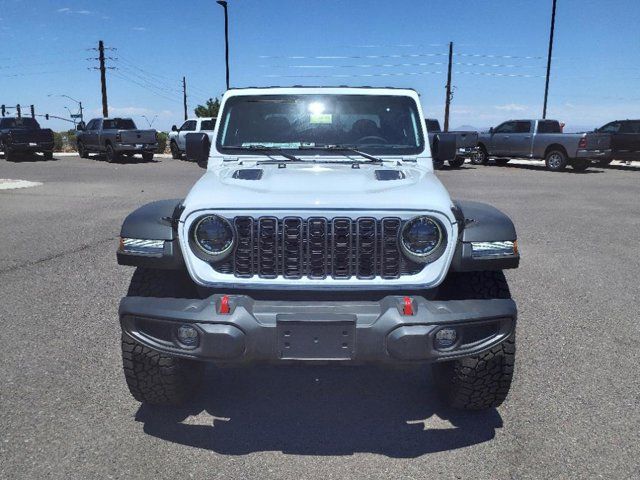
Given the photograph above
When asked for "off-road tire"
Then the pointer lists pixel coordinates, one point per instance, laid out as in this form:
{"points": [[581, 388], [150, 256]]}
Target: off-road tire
{"points": [[456, 162], [147, 156], [501, 162], [580, 165], [82, 151], [48, 155], [175, 151], [111, 155], [556, 160], [481, 157], [480, 381], [153, 377]]}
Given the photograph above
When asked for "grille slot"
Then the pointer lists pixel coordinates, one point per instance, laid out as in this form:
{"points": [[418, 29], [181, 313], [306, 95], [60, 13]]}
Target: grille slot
{"points": [[317, 248]]}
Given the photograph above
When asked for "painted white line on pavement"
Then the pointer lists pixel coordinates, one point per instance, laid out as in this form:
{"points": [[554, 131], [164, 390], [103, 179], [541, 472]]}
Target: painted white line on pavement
{"points": [[8, 184]]}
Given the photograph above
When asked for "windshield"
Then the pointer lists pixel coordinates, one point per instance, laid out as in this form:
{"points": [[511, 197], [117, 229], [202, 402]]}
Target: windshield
{"points": [[119, 124], [379, 124]]}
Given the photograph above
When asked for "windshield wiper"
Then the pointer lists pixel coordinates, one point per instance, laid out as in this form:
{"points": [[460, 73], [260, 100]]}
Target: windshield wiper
{"points": [[347, 148], [270, 150]]}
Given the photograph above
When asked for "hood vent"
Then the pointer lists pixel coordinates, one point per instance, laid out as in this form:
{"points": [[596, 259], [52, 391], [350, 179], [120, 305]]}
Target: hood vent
{"points": [[386, 175], [248, 174]]}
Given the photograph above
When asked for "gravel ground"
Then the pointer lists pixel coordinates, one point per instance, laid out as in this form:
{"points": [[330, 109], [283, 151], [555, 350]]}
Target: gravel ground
{"points": [[573, 411]]}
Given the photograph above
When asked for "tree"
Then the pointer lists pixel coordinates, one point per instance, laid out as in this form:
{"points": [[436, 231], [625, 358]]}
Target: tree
{"points": [[210, 109]]}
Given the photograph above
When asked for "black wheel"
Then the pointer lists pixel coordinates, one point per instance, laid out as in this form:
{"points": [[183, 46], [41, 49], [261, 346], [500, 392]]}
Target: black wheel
{"points": [[10, 155], [153, 377], [580, 165], [82, 151], [147, 156], [456, 162], [112, 155], [48, 155], [438, 164], [480, 381], [501, 162], [605, 162], [556, 160], [175, 151], [481, 157]]}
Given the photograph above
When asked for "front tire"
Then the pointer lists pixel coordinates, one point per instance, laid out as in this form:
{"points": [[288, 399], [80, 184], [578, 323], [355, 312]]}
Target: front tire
{"points": [[82, 151], [48, 155], [111, 154], [580, 165], [175, 151], [147, 156], [153, 377], [479, 381], [481, 157], [556, 160], [456, 162], [605, 162]]}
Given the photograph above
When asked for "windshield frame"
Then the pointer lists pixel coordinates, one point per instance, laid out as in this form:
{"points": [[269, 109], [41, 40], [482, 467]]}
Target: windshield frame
{"points": [[303, 149]]}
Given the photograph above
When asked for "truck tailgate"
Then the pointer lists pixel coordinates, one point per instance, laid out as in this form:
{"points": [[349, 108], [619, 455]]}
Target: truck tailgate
{"points": [[32, 136], [137, 136]]}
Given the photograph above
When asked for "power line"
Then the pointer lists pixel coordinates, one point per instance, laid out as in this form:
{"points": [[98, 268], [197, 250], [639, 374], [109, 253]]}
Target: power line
{"points": [[399, 55], [396, 65], [404, 74]]}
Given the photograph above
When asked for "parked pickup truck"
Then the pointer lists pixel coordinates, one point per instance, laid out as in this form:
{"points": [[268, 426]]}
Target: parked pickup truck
{"points": [[465, 142], [625, 141], [177, 137], [115, 137], [24, 135], [541, 139]]}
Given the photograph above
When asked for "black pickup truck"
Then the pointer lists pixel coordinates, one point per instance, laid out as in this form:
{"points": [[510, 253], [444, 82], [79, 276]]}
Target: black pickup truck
{"points": [[625, 141], [22, 135], [465, 143]]}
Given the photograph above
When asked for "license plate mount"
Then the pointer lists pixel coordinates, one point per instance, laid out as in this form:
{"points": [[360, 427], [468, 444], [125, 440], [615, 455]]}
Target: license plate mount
{"points": [[316, 338]]}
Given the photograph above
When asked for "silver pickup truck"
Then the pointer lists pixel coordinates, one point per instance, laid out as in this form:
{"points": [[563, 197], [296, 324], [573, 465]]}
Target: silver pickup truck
{"points": [[544, 140], [115, 137]]}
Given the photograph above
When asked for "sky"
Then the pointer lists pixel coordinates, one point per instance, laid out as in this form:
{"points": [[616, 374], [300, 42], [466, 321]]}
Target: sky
{"points": [[500, 51]]}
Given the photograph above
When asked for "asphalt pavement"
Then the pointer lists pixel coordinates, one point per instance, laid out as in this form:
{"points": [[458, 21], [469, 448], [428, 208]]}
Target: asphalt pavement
{"points": [[65, 412]]}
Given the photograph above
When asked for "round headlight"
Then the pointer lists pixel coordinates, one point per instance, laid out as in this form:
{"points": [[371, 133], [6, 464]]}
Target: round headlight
{"points": [[422, 238], [213, 236]]}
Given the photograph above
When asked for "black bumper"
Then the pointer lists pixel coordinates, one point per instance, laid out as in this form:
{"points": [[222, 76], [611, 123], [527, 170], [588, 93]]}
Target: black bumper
{"points": [[353, 332], [31, 147]]}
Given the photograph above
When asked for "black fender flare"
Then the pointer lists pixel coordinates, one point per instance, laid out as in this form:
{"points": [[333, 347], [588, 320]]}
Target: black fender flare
{"points": [[154, 221], [480, 222]]}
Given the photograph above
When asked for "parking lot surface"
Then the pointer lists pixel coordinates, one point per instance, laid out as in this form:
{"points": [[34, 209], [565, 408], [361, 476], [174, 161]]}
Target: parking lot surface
{"points": [[573, 411]]}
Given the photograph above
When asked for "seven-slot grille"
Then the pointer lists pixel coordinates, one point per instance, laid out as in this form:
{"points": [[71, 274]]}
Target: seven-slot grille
{"points": [[316, 248]]}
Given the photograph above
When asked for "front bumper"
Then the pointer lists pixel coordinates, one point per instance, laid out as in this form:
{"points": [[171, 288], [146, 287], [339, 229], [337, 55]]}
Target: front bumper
{"points": [[353, 332]]}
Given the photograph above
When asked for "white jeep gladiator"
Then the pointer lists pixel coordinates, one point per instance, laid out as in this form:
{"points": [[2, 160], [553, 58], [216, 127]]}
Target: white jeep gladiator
{"points": [[318, 233]]}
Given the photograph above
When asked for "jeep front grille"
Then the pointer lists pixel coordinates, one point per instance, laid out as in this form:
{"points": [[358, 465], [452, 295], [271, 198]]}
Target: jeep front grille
{"points": [[317, 248]]}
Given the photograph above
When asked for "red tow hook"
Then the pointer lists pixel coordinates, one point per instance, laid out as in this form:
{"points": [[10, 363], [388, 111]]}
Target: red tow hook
{"points": [[407, 306], [224, 309]]}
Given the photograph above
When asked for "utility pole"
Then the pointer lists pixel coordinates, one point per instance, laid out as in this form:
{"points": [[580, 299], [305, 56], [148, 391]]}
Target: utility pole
{"points": [[18, 111], [448, 99], [103, 79], [223, 4], [184, 96], [33, 111], [546, 85]]}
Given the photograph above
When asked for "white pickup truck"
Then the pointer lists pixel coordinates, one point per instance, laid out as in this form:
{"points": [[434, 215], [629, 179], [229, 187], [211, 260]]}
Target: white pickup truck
{"points": [[177, 142]]}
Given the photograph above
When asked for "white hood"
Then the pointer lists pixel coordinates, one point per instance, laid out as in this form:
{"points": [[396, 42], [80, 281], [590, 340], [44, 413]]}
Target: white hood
{"points": [[322, 186]]}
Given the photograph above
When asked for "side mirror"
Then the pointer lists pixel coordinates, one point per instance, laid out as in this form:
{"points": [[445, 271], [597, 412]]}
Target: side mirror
{"points": [[198, 146], [174, 128], [491, 130], [80, 127]]}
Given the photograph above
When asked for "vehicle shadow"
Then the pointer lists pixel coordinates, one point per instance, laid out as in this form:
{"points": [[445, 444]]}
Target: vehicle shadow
{"points": [[123, 160], [621, 167], [322, 410], [31, 158], [543, 168]]}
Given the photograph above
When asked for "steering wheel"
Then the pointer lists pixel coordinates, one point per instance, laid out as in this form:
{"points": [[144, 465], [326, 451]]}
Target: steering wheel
{"points": [[372, 139]]}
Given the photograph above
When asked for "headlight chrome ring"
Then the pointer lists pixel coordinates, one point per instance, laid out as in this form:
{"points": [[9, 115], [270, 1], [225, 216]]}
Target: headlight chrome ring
{"points": [[213, 237], [423, 239]]}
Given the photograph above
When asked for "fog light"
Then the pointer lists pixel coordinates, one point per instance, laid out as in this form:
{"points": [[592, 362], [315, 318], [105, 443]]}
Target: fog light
{"points": [[188, 335], [445, 338]]}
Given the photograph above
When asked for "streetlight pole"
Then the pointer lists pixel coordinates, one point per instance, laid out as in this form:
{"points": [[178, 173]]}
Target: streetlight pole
{"points": [[546, 85], [72, 99], [223, 4]]}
